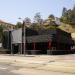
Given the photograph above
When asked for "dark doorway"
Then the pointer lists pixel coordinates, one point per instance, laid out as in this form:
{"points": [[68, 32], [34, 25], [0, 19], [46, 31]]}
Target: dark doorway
{"points": [[15, 48]]}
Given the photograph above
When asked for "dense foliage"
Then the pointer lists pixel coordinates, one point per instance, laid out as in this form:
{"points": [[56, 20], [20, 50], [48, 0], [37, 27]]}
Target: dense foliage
{"points": [[1, 33], [68, 16], [38, 22], [18, 25]]}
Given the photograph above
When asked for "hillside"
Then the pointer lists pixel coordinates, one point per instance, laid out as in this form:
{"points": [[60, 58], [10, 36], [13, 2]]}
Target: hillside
{"points": [[68, 28]]}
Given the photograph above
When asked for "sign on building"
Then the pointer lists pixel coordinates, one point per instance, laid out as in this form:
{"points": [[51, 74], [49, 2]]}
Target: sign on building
{"points": [[16, 36]]}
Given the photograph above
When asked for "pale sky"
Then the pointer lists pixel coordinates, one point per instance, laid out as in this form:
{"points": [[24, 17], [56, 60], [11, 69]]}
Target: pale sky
{"points": [[11, 10]]}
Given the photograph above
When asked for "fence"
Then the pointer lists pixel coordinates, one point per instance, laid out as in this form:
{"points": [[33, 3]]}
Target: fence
{"points": [[49, 52]]}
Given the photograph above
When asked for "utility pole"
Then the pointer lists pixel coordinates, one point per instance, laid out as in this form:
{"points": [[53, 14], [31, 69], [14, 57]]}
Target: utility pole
{"points": [[23, 43], [23, 38], [11, 43]]}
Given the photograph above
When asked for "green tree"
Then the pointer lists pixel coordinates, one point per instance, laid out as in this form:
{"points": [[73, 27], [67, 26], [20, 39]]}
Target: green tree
{"points": [[38, 19], [68, 16], [51, 17], [1, 33], [64, 11], [72, 17], [27, 20], [18, 25], [35, 26]]}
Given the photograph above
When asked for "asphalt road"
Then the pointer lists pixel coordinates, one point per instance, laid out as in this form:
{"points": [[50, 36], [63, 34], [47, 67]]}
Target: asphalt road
{"points": [[8, 69]]}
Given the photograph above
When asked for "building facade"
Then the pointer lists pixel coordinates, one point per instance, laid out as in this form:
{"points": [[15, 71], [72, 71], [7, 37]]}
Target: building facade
{"points": [[41, 41], [7, 26]]}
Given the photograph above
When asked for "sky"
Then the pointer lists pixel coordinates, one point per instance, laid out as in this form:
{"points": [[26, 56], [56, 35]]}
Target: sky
{"points": [[11, 10]]}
